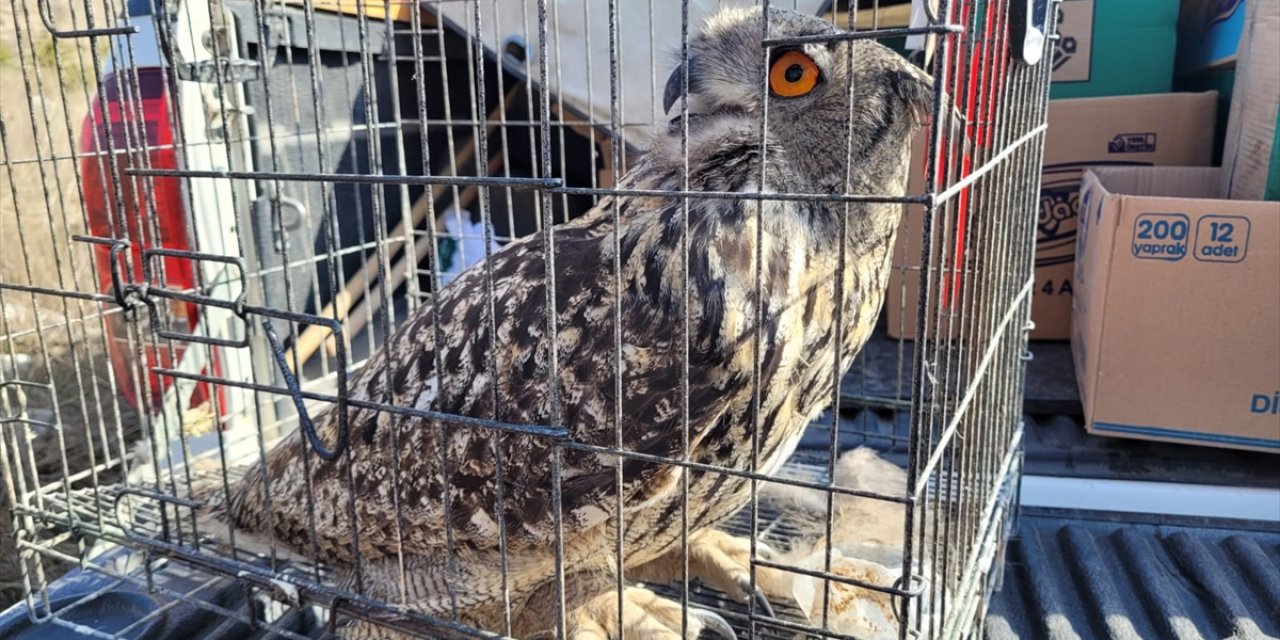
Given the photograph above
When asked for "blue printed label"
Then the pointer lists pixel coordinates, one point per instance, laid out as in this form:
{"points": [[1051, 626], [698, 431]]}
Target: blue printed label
{"points": [[1265, 403], [1059, 205], [1222, 239], [1132, 143], [1161, 236]]}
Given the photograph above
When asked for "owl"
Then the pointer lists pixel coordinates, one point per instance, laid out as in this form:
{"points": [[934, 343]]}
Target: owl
{"points": [[731, 318]]}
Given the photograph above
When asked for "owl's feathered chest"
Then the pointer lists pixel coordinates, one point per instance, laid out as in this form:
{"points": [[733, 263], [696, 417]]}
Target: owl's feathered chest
{"points": [[767, 308]]}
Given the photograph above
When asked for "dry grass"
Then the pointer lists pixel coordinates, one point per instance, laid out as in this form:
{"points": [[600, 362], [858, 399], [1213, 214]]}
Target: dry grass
{"points": [[45, 97], [46, 87]]}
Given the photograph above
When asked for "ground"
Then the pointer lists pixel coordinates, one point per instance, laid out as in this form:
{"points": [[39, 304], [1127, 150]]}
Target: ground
{"points": [[49, 85]]}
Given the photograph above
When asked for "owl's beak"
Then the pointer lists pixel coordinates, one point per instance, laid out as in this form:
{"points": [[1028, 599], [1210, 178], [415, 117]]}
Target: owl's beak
{"points": [[675, 85]]}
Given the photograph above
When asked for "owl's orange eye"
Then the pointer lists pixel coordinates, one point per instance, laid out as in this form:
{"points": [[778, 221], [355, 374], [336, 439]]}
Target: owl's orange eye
{"points": [[793, 74]]}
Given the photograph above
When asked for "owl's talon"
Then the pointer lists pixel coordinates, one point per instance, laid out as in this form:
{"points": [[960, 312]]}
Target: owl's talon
{"points": [[724, 562], [715, 623], [765, 552], [758, 595]]}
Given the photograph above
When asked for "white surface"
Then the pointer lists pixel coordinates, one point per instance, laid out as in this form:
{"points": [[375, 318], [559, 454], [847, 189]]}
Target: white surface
{"points": [[919, 18], [1132, 496], [578, 46], [202, 108], [470, 238]]}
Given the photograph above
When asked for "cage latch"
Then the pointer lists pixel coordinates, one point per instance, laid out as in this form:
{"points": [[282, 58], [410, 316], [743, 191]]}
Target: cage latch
{"points": [[126, 294], [131, 295], [235, 305]]}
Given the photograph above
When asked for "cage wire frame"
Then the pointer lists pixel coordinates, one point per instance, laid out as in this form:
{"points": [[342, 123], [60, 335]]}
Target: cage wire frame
{"points": [[963, 400]]}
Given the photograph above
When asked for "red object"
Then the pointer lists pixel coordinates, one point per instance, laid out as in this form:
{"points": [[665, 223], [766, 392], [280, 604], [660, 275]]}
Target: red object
{"points": [[983, 78], [136, 131]]}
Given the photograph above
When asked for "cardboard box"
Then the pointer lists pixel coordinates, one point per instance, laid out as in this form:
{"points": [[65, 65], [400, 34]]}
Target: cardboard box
{"points": [[1177, 310], [1251, 151], [1114, 47], [1163, 129], [1209, 34]]}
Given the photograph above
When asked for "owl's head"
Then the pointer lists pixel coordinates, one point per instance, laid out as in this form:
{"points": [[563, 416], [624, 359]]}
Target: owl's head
{"points": [[816, 92]]}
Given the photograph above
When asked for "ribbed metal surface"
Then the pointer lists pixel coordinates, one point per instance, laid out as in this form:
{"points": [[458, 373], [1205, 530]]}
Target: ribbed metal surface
{"points": [[1074, 576]]}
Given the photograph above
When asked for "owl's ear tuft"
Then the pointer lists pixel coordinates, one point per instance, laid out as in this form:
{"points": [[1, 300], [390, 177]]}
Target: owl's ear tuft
{"points": [[915, 87]]}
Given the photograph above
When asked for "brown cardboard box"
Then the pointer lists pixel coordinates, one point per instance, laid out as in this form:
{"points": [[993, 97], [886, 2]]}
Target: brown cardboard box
{"points": [[1156, 129], [1177, 309], [1251, 154]]}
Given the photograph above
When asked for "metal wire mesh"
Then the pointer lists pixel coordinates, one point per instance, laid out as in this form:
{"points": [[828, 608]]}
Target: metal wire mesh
{"points": [[263, 192]]}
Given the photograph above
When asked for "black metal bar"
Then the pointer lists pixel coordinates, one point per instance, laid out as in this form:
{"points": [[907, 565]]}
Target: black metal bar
{"points": [[304, 416], [759, 196], [846, 580], [53, 30], [352, 178], [74, 295], [848, 36], [447, 418]]}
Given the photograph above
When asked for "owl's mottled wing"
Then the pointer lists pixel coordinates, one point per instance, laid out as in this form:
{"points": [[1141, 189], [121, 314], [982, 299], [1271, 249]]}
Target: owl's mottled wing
{"points": [[449, 473]]}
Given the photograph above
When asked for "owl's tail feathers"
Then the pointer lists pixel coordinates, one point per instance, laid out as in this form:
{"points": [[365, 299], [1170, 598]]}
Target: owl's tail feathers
{"points": [[216, 532], [212, 493], [229, 516]]}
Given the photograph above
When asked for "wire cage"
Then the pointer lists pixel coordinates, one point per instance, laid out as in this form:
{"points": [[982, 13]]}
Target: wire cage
{"points": [[228, 225]]}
